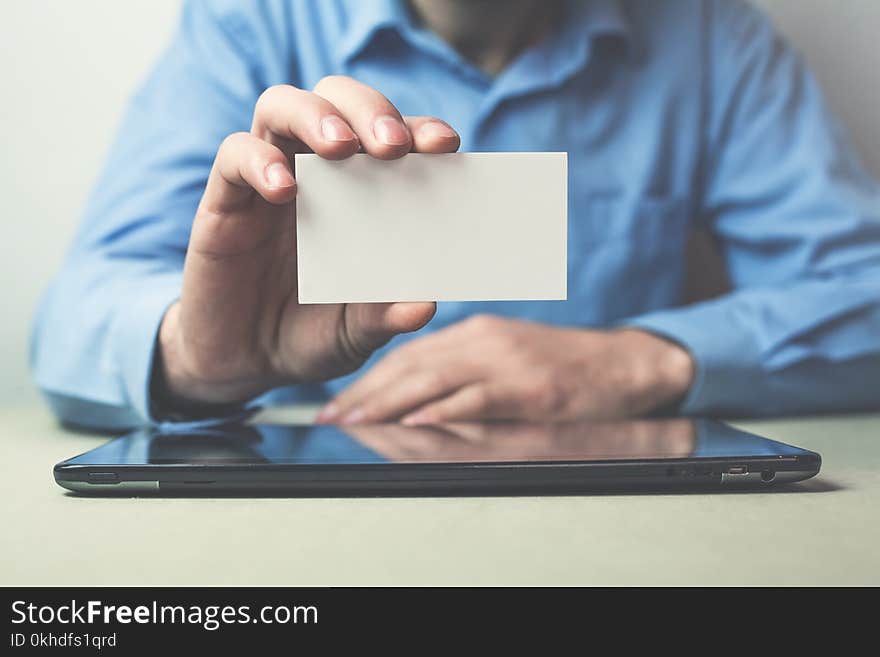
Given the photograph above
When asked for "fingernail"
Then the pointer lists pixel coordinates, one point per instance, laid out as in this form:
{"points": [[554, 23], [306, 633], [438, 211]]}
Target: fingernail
{"points": [[437, 129], [278, 176], [355, 416], [335, 129], [390, 131], [327, 413]]}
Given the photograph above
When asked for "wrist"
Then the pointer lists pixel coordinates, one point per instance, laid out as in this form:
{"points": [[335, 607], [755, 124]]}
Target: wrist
{"points": [[171, 382], [659, 372], [177, 388]]}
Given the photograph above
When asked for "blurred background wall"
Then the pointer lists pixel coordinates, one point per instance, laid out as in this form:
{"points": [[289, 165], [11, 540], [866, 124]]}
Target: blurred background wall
{"points": [[67, 68]]}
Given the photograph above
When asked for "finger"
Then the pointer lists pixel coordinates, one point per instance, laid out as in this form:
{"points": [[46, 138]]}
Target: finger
{"points": [[244, 165], [410, 392], [366, 327], [477, 401], [432, 135], [450, 341], [401, 365], [284, 113], [389, 368], [377, 123]]}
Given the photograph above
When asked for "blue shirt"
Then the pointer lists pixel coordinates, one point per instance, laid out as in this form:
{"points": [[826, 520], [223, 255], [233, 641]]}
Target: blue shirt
{"points": [[675, 115]]}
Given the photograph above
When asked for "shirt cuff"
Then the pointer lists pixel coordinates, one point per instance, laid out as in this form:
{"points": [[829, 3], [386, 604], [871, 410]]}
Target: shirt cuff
{"points": [[134, 338], [726, 358], [135, 335]]}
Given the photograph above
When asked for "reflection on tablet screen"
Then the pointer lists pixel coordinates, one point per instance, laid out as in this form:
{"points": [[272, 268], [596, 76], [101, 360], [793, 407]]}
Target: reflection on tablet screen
{"points": [[500, 442]]}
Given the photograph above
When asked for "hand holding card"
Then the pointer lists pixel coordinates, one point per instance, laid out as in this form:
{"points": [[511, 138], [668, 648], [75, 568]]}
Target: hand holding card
{"points": [[237, 329]]}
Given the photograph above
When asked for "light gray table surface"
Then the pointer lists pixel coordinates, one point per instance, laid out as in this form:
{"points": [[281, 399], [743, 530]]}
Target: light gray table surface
{"points": [[824, 531]]}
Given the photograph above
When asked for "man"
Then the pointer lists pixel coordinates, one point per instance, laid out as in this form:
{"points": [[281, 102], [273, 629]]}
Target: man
{"points": [[178, 298]]}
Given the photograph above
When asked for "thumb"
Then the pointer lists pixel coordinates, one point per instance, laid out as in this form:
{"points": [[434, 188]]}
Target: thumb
{"points": [[369, 326]]}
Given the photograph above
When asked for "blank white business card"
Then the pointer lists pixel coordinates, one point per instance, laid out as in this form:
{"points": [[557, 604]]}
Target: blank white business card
{"points": [[450, 227]]}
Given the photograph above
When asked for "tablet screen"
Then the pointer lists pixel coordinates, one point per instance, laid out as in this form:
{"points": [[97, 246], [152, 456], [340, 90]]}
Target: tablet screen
{"points": [[502, 442]]}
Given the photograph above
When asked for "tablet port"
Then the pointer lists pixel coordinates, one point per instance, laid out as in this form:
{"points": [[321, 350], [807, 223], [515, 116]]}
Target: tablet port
{"points": [[103, 478], [767, 476]]}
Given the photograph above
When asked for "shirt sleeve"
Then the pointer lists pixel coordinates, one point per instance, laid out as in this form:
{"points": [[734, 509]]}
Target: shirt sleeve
{"points": [[797, 219], [94, 332]]}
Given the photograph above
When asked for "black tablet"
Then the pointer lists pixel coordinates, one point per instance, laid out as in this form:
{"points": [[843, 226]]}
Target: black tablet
{"points": [[455, 458]]}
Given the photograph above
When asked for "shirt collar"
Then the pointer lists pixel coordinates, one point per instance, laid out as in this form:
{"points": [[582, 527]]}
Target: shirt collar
{"points": [[595, 18], [365, 19], [585, 20]]}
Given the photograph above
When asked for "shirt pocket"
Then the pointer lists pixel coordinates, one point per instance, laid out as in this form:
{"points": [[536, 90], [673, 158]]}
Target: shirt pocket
{"points": [[600, 218], [627, 253]]}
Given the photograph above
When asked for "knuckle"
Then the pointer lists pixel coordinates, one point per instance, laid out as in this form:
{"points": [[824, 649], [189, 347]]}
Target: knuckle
{"points": [[545, 394], [329, 81], [482, 322], [270, 94], [510, 344], [276, 99], [407, 371], [435, 380], [533, 397], [481, 399], [264, 99], [406, 355], [233, 142], [392, 360]]}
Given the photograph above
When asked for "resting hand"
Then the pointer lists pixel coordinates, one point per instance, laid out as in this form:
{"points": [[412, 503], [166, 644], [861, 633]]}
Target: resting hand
{"points": [[489, 367]]}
